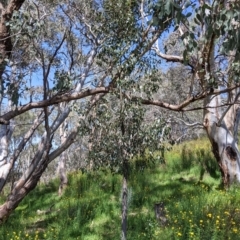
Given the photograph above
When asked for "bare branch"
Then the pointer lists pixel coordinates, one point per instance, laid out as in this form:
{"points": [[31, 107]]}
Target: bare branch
{"points": [[172, 58], [64, 97], [188, 124], [188, 101], [52, 58]]}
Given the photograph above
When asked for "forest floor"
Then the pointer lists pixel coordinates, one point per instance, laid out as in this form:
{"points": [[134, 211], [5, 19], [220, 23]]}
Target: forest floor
{"points": [[191, 203]]}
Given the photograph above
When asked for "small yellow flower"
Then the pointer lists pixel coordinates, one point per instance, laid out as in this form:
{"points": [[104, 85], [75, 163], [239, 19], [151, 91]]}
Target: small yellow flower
{"points": [[201, 221], [179, 234], [235, 230], [209, 215]]}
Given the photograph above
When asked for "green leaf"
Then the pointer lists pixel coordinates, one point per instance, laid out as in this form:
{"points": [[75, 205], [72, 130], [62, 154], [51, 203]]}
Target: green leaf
{"points": [[168, 7], [185, 55], [199, 18], [188, 4]]}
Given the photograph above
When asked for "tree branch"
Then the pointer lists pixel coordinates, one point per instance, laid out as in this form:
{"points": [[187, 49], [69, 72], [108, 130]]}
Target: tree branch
{"points": [[64, 97], [189, 100], [172, 58], [188, 124]]}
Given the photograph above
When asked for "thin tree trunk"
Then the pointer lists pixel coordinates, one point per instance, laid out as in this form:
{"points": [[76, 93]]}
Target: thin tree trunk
{"points": [[4, 144], [124, 200], [6, 11], [62, 160], [62, 174]]}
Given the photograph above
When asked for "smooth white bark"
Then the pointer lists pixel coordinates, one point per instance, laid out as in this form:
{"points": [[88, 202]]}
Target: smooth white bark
{"points": [[62, 159], [221, 136]]}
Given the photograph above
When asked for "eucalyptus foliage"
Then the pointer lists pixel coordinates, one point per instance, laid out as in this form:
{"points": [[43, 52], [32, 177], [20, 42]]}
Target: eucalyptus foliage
{"points": [[121, 126]]}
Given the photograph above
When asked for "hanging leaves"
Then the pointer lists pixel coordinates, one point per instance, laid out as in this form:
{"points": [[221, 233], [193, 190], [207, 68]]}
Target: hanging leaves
{"points": [[119, 126]]}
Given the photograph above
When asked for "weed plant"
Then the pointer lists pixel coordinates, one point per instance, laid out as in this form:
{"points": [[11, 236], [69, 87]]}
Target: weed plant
{"points": [[188, 185]]}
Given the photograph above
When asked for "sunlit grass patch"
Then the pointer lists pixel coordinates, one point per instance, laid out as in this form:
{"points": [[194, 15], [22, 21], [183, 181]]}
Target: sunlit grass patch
{"points": [[90, 208]]}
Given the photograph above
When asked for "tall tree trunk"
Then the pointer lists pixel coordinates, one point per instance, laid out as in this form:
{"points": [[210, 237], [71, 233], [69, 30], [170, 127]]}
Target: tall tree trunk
{"points": [[62, 160], [220, 128], [124, 200], [62, 173], [5, 166], [6, 11]]}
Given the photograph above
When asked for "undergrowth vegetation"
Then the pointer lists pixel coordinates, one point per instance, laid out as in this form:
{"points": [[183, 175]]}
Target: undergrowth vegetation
{"points": [[194, 206]]}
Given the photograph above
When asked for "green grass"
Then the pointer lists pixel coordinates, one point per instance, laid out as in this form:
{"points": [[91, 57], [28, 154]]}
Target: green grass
{"points": [[188, 185]]}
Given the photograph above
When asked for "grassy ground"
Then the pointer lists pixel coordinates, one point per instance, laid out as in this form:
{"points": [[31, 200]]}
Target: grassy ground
{"points": [[188, 185]]}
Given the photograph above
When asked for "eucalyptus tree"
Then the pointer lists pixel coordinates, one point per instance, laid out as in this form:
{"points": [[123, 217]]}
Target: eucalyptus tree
{"points": [[64, 50], [208, 32], [122, 134], [57, 53]]}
